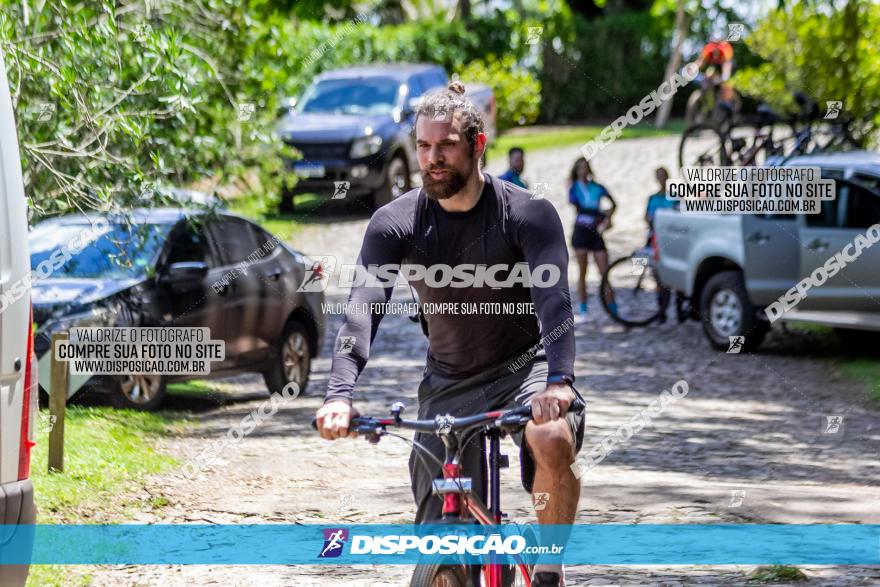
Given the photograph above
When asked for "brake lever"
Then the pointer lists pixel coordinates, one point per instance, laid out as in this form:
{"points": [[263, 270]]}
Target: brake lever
{"points": [[522, 415], [371, 434]]}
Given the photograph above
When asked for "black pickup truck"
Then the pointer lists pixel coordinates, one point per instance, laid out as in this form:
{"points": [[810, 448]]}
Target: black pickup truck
{"points": [[353, 129]]}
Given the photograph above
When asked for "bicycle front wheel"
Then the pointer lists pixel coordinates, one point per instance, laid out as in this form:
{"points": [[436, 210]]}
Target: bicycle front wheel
{"points": [[631, 293], [693, 113], [702, 145], [439, 575]]}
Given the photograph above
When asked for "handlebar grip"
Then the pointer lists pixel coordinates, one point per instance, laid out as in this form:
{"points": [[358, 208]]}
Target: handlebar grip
{"points": [[355, 422]]}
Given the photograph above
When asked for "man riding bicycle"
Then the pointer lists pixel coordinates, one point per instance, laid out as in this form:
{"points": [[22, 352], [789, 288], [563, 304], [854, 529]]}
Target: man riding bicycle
{"points": [[717, 54], [475, 363], [716, 65]]}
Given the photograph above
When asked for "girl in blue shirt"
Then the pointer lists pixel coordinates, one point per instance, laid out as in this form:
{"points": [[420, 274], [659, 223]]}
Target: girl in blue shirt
{"points": [[586, 195], [658, 201]]}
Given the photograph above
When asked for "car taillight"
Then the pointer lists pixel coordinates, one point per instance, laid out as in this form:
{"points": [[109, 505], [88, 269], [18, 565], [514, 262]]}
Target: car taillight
{"points": [[29, 405], [655, 248]]}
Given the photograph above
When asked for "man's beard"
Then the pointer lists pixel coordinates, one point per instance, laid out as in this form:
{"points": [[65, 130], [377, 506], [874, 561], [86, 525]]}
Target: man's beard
{"points": [[441, 189]]}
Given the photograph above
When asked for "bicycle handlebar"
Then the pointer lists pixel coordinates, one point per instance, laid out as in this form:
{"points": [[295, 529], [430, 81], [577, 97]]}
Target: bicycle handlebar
{"points": [[510, 419]]}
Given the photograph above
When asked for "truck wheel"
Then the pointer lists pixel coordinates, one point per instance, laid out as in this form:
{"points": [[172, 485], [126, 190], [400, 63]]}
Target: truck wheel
{"points": [[396, 184], [726, 311]]}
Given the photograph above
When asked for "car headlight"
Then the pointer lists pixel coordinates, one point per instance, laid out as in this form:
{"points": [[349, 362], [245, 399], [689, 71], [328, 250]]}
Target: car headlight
{"points": [[365, 146], [98, 316]]}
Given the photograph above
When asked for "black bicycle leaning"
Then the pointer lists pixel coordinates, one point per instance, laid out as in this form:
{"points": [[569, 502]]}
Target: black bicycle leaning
{"points": [[767, 139], [461, 505], [632, 294]]}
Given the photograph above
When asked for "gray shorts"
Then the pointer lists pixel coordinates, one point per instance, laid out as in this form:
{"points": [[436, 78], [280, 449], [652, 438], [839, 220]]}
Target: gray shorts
{"points": [[497, 389]]}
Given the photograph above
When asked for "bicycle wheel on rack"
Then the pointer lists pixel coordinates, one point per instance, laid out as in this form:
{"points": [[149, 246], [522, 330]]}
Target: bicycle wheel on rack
{"points": [[785, 143], [632, 286], [702, 145]]}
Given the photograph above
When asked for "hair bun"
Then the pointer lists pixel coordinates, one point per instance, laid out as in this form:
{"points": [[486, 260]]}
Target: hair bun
{"points": [[456, 87]]}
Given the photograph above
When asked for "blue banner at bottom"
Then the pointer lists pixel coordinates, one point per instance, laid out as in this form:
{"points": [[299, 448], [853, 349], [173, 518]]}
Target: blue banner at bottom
{"points": [[580, 544]]}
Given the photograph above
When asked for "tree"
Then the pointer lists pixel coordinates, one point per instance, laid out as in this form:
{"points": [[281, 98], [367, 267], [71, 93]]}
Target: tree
{"points": [[114, 99], [829, 53], [681, 29]]}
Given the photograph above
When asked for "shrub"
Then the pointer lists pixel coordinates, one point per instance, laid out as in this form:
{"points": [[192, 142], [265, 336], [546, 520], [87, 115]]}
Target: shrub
{"points": [[829, 55], [517, 92]]}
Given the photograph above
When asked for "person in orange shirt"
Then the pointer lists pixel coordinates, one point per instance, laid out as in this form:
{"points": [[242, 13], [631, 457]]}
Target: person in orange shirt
{"points": [[718, 55]]}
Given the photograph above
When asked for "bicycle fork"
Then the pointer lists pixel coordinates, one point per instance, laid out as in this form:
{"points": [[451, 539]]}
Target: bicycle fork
{"points": [[459, 502], [453, 488]]}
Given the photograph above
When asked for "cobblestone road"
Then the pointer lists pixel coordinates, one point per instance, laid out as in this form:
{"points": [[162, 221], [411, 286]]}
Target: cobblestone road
{"points": [[745, 445]]}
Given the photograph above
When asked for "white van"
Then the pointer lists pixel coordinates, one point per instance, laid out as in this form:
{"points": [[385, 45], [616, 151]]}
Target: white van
{"points": [[18, 375]]}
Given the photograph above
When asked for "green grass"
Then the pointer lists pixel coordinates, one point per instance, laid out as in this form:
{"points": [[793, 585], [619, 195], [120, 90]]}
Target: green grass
{"points": [[810, 327], [777, 574], [254, 207], [57, 576], [195, 387], [564, 136], [107, 453], [866, 370]]}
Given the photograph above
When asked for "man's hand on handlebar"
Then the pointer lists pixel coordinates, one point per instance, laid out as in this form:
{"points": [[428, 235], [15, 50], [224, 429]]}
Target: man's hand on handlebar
{"points": [[552, 403], [333, 419]]}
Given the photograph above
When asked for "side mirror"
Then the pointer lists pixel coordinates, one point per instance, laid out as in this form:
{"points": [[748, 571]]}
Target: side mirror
{"points": [[287, 106], [184, 272], [410, 106]]}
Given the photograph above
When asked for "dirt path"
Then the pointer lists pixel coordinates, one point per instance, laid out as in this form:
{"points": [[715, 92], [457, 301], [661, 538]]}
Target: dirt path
{"points": [[745, 445]]}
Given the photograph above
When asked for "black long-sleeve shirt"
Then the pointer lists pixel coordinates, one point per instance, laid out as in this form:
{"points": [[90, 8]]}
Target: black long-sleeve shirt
{"points": [[506, 226]]}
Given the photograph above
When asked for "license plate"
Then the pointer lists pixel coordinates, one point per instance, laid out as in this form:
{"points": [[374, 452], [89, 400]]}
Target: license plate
{"points": [[309, 170]]}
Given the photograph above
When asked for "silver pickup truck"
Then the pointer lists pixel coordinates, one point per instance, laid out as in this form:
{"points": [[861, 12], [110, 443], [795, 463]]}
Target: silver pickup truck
{"points": [[742, 273]]}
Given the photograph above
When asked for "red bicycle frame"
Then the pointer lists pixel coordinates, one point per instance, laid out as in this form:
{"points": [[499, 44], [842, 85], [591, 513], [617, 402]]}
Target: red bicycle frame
{"points": [[459, 503]]}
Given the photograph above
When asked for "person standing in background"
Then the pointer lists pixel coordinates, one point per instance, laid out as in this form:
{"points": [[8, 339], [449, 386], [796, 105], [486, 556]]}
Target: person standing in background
{"points": [[516, 164], [658, 201], [586, 195]]}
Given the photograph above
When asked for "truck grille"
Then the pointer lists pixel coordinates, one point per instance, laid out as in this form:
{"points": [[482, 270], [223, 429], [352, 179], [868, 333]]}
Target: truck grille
{"points": [[318, 151]]}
